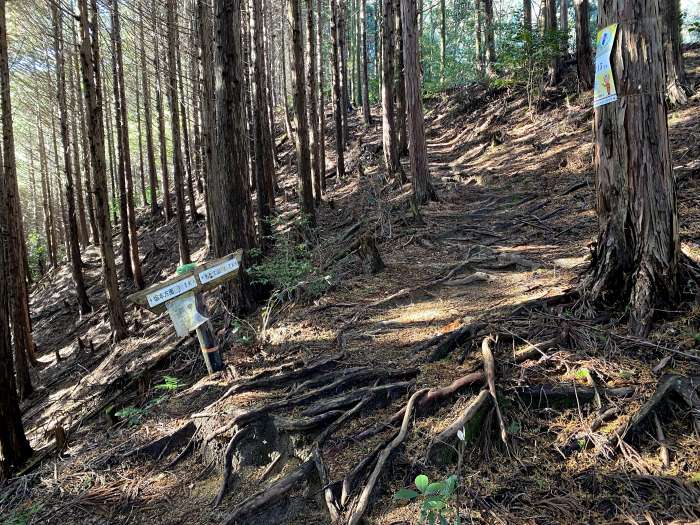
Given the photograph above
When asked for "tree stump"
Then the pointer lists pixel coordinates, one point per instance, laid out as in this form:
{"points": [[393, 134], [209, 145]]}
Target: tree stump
{"points": [[369, 254]]}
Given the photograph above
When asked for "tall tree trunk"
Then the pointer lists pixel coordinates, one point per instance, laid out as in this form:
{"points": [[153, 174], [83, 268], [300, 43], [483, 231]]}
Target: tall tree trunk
{"points": [[343, 48], [443, 41], [92, 83], [420, 178], [489, 39], [15, 249], [110, 151], [478, 40], [321, 97], [358, 54], [300, 117], [126, 152], [264, 164], [366, 114], [123, 162], [550, 27], [178, 168], [389, 138], [584, 53], [148, 117], [89, 195], [43, 166], [635, 262], [337, 91], [564, 27], [76, 261], [527, 15], [194, 214], [232, 220], [400, 84], [14, 446], [82, 222], [196, 96], [167, 203], [206, 48], [287, 119], [139, 132], [311, 79], [677, 84]]}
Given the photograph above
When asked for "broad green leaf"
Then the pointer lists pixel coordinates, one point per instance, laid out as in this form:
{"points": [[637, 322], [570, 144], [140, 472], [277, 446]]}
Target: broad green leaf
{"points": [[443, 521], [405, 495], [450, 485], [435, 488], [434, 503], [422, 482]]}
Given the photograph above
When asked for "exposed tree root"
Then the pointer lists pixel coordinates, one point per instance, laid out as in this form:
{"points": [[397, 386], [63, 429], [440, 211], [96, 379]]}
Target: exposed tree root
{"points": [[426, 402], [358, 509], [490, 371], [228, 460], [685, 387], [543, 395], [445, 438], [281, 487]]}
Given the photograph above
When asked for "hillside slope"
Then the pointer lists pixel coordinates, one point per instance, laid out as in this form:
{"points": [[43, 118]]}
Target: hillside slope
{"points": [[344, 351]]}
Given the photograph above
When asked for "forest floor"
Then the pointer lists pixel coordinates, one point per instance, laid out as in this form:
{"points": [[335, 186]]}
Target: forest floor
{"points": [[496, 255]]}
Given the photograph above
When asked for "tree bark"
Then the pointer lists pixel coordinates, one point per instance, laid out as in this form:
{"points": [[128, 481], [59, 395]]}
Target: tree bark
{"points": [[311, 79], [206, 49], [232, 221], [76, 261], [321, 97], [527, 15], [564, 27], [366, 114], [337, 91], [343, 47], [80, 201], [400, 84], [489, 39], [550, 27], [43, 166], [635, 261], [92, 83], [148, 124], [420, 178], [264, 165], [478, 40], [443, 41], [677, 85], [178, 168], [300, 117], [14, 446], [389, 138], [167, 203], [139, 132], [15, 249], [584, 53]]}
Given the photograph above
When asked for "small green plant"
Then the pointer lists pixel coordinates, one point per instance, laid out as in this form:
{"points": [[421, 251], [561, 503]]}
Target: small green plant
{"points": [[582, 374], [23, 516], [169, 384], [435, 498]]}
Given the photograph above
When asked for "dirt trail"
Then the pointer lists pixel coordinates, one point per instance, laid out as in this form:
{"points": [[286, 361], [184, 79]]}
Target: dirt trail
{"points": [[515, 217]]}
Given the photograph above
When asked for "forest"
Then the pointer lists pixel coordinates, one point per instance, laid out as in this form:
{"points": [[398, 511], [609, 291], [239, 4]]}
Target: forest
{"points": [[385, 262]]}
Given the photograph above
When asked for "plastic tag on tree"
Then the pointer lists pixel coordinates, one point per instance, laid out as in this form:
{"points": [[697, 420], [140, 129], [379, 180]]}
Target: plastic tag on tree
{"points": [[604, 90], [184, 314]]}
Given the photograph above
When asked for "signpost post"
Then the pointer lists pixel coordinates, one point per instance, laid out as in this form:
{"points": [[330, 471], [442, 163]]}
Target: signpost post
{"points": [[181, 298]]}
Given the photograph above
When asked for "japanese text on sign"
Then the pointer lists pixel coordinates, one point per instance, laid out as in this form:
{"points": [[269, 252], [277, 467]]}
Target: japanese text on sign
{"points": [[170, 292], [217, 271], [604, 90]]}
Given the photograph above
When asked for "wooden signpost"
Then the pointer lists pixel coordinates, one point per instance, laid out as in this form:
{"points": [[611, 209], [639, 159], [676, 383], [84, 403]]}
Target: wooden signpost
{"points": [[181, 298]]}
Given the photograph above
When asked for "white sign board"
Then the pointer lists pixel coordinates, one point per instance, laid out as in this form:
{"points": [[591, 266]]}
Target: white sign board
{"points": [[217, 271], [183, 312], [171, 292]]}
